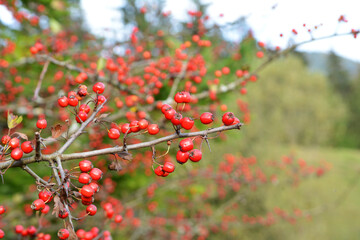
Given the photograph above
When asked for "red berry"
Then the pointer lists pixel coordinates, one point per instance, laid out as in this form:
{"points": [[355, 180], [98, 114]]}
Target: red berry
{"points": [[168, 167], [101, 99], [169, 114], [63, 234], [187, 123], [143, 124], [207, 118], [99, 87], [182, 157], [63, 101], [14, 143], [2, 234], [118, 218], [63, 214], [236, 121], [113, 133], [96, 174], [31, 230], [134, 125], [85, 108], [38, 204], [45, 195], [73, 101], [85, 165], [182, 97], [158, 171], [81, 117], [228, 118], [26, 147], [17, 154], [94, 186], [46, 209], [186, 145], [87, 191], [19, 229], [195, 155], [5, 139], [176, 120], [91, 210], [2, 209], [41, 124], [84, 178], [125, 128], [165, 107], [153, 129]]}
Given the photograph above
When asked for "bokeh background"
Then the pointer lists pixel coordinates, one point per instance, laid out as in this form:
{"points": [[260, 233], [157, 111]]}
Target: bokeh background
{"points": [[303, 108]]}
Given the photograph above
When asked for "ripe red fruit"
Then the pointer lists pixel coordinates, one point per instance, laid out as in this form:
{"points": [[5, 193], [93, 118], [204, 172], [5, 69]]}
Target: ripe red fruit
{"points": [[5, 139], [169, 114], [125, 128], [46, 209], [182, 157], [113, 133], [85, 108], [94, 186], [45, 195], [159, 171], [87, 191], [143, 124], [2, 209], [96, 174], [81, 117], [134, 126], [91, 210], [118, 218], [187, 123], [14, 143], [228, 118], [84, 178], [186, 145], [85, 165], [101, 99], [182, 97], [38, 204], [63, 234], [17, 154], [165, 107], [19, 229], [99, 87], [41, 123], [236, 121], [176, 120], [207, 118], [195, 155], [168, 167], [26, 147], [63, 101], [225, 70], [31, 230], [73, 101], [243, 91], [63, 214], [153, 129], [2, 234]]}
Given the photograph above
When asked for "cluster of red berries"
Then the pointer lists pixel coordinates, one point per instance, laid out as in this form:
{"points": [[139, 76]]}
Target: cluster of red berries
{"points": [[73, 98], [187, 152], [89, 174], [24, 232], [132, 127], [38, 47], [93, 233], [165, 170], [13, 144]]}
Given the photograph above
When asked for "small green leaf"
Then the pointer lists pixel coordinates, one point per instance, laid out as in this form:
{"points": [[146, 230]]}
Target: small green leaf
{"points": [[55, 26], [101, 64], [13, 120]]}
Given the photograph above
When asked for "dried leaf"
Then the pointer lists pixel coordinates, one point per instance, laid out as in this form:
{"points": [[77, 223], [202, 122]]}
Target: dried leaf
{"points": [[13, 120], [125, 155], [115, 165], [22, 135], [57, 130], [102, 116], [58, 206], [72, 233]]}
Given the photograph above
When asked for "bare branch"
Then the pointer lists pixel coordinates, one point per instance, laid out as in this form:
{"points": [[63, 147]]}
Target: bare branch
{"points": [[34, 175], [42, 75], [37, 146]]}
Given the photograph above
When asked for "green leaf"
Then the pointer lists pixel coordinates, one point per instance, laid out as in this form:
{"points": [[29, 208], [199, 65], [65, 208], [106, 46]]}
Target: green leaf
{"points": [[101, 63], [13, 120], [55, 26]]}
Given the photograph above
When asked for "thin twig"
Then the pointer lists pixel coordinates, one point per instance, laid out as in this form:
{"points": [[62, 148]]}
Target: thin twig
{"points": [[41, 78], [34, 175]]}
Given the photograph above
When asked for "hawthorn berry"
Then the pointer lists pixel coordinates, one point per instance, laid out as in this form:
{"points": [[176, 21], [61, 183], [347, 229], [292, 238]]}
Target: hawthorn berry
{"points": [[38, 204], [195, 155], [206, 118], [84, 178], [153, 129], [46, 209], [5, 139], [91, 210], [63, 234], [176, 120], [182, 157], [125, 128], [159, 171], [118, 218], [187, 123], [2, 209], [168, 167], [182, 97], [63, 101], [73, 101], [113, 133], [14, 143], [134, 126], [81, 117], [31, 230], [26, 147], [143, 124], [101, 99], [85, 165], [45, 195], [228, 118], [99, 87], [85, 108], [2, 234], [63, 214], [41, 123], [17, 154], [169, 114], [94, 186], [19, 229], [87, 191], [186, 145], [96, 174]]}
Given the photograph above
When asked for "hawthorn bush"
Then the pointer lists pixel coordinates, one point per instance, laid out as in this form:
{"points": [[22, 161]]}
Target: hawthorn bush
{"points": [[79, 116]]}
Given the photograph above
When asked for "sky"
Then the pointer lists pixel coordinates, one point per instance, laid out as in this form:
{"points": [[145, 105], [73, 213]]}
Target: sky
{"points": [[267, 18]]}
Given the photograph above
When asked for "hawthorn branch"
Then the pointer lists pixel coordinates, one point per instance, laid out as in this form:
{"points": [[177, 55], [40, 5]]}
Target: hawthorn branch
{"points": [[41, 78], [37, 146], [34, 175]]}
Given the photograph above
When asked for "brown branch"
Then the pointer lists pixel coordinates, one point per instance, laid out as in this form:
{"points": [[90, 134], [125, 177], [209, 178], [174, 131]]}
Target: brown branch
{"points": [[34, 175], [37, 146], [41, 78]]}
